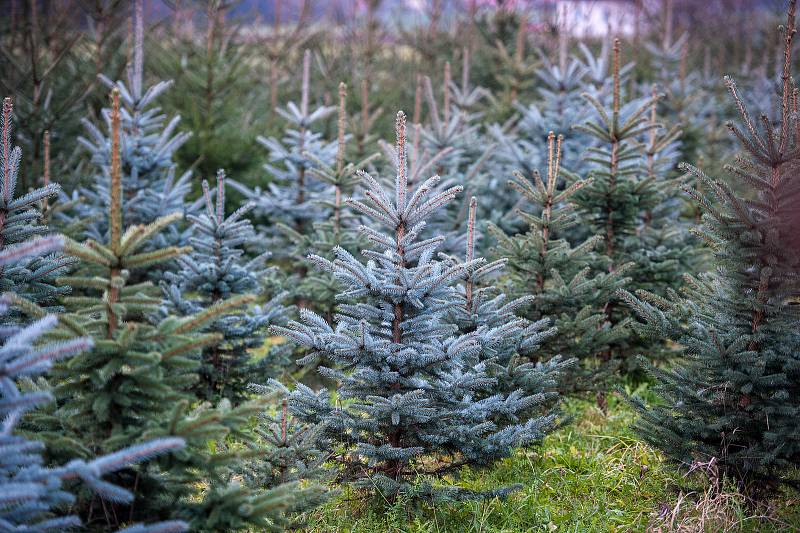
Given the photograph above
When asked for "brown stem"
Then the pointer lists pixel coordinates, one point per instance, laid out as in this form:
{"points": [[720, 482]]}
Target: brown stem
{"points": [[553, 162], [446, 93], [365, 126], [394, 466], [340, 156], [273, 84], [519, 56], [465, 71], [614, 162], [5, 140], [115, 211], [418, 101], [469, 285]]}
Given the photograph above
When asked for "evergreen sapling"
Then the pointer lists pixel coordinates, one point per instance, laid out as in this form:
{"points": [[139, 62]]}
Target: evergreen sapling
{"points": [[148, 147], [620, 202], [33, 495], [562, 281], [733, 398], [135, 384], [404, 374], [523, 398], [218, 271]]}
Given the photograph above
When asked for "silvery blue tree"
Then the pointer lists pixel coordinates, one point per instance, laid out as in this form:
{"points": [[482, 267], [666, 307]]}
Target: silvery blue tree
{"points": [[292, 197], [30, 276], [458, 144], [406, 378], [148, 145], [524, 392], [216, 270]]}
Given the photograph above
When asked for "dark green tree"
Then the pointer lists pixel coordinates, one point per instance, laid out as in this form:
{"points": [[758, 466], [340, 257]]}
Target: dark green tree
{"points": [[622, 201], [33, 495], [734, 397], [567, 282], [135, 384], [209, 63]]}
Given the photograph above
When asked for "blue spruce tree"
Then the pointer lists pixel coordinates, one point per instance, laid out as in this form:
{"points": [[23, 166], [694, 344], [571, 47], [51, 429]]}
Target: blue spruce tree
{"points": [[291, 198], [215, 271], [31, 276], [319, 290], [148, 147], [403, 371], [523, 397]]}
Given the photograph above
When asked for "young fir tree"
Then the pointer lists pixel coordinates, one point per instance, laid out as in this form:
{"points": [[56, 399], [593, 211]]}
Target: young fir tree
{"points": [[290, 199], [451, 128], [621, 200], [32, 495], [404, 371], [362, 123], [734, 398], [148, 147], [466, 97], [319, 289], [462, 152], [514, 75], [562, 280], [557, 106], [207, 57], [135, 384], [215, 271], [511, 353]]}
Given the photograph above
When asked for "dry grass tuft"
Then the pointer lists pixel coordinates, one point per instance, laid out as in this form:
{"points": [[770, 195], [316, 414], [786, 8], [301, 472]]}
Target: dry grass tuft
{"points": [[718, 508]]}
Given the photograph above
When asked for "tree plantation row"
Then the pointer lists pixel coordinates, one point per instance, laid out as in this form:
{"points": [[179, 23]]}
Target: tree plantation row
{"points": [[187, 352]]}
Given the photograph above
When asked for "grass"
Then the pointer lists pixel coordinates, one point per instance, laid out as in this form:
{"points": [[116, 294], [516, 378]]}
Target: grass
{"points": [[593, 475]]}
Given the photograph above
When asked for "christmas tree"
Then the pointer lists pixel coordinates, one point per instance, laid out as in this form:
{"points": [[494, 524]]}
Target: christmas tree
{"points": [[287, 451], [31, 276], [148, 146], [135, 383], [404, 371], [212, 89], [621, 201], [563, 281], [319, 290], [31, 492], [290, 199], [218, 271], [515, 73], [733, 398], [454, 134], [511, 353], [558, 106]]}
